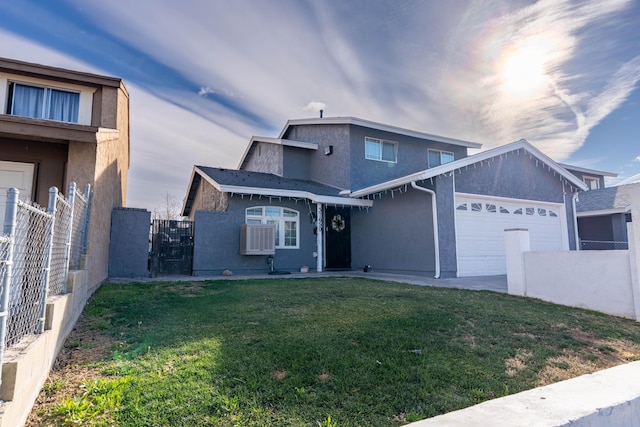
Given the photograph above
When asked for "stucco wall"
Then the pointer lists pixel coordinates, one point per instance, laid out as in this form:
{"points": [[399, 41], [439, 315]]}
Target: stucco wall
{"points": [[208, 198], [332, 169], [443, 186], [297, 162], [395, 235], [49, 158], [597, 280], [266, 158], [514, 176], [217, 240], [412, 156], [104, 165], [129, 243]]}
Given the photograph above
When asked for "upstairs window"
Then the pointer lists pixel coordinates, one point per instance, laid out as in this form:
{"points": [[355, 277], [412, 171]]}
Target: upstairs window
{"points": [[437, 157], [592, 182], [380, 149], [43, 103], [286, 221]]}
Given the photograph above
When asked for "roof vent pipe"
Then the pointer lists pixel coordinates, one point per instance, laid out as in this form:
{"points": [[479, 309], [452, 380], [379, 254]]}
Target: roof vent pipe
{"points": [[436, 239], [321, 111]]}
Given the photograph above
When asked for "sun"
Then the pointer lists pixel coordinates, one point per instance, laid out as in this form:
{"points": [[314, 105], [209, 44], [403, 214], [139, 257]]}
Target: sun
{"points": [[523, 73]]}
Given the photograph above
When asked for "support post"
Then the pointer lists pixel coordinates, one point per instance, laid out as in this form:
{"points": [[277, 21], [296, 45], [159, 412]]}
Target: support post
{"points": [[9, 227], [46, 270], [319, 237], [516, 244]]}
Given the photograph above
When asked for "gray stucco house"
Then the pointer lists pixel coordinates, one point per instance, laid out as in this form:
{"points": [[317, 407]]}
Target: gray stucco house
{"points": [[345, 193]]}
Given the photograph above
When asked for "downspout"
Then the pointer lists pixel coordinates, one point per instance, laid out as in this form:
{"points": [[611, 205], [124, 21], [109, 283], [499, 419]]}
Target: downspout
{"points": [[574, 198], [436, 240]]}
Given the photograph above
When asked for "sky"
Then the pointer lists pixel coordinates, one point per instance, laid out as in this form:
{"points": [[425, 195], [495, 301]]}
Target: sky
{"points": [[204, 76]]}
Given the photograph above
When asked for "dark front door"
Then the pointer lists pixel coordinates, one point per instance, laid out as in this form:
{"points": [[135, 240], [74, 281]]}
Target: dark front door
{"points": [[171, 247], [338, 235]]}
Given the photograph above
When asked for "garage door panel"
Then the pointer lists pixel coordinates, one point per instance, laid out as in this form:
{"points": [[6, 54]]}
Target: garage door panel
{"points": [[480, 225]]}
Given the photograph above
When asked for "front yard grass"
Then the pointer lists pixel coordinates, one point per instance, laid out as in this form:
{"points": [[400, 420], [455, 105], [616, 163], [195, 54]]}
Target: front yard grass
{"points": [[315, 352]]}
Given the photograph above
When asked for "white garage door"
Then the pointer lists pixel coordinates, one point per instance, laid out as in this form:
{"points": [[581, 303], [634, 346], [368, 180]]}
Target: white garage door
{"points": [[480, 225]]}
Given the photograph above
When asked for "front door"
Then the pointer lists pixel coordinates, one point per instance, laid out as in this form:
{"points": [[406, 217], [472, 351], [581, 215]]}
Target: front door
{"points": [[17, 175], [338, 236]]}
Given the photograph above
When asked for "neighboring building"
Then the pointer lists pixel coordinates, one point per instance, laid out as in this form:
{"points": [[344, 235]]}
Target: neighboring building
{"points": [[346, 193], [603, 216], [602, 212], [58, 126]]}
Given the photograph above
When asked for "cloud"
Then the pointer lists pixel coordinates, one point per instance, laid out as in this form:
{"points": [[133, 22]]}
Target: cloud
{"points": [[315, 106], [637, 159], [205, 90]]}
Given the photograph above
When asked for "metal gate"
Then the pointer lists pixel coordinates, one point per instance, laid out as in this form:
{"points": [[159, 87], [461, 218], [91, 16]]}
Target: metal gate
{"points": [[171, 248]]}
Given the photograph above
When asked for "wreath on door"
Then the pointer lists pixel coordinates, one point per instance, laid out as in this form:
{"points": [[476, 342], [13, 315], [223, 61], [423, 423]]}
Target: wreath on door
{"points": [[338, 223]]}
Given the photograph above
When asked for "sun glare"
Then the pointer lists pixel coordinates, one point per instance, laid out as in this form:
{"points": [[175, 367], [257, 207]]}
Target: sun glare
{"points": [[523, 72]]}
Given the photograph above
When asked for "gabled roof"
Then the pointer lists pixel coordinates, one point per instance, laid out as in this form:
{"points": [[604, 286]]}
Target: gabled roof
{"points": [[276, 141], [605, 201], [587, 171], [467, 161], [265, 184], [378, 126]]}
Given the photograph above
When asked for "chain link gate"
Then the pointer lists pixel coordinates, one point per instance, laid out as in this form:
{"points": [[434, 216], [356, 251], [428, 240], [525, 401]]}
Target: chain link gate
{"points": [[171, 248]]}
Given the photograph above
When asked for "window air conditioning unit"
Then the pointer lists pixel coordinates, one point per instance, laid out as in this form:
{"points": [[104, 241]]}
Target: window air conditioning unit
{"points": [[258, 239]]}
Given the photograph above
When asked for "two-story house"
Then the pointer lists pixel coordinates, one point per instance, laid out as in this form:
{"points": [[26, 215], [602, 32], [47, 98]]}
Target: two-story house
{"points": [[58, 126], [343, 192]]}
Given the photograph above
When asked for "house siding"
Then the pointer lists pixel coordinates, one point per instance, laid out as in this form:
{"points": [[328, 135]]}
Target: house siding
{"points": [[396, 235], [50, 160], [266, 158], [516, 176], [208, 198], [217, 240], [412, 156], [330, 169], [297, 162]]}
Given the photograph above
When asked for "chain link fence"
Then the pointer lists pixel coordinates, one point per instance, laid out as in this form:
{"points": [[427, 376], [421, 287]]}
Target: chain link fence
{"points": [[37, 247], [601, 245]]}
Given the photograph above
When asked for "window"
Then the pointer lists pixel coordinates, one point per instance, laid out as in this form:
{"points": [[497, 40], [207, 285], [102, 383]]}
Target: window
{"points": [[43, 103], [437, 157], [379, 149], [286, 222], [592, 182]]}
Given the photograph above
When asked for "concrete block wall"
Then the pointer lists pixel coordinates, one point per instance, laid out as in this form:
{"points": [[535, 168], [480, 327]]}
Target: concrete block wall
{"points": [[129, 247], [26, 366], [605, 398]]}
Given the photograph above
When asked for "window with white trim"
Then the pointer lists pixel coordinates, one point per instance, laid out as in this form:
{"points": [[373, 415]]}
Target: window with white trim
{"points": [[287, 222], [380, 149], [438, 157], [592, 182], [41, 102]]}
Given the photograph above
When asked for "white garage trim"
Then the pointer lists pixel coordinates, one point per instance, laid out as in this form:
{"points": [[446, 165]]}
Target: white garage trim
{"points": [[480, 222]]}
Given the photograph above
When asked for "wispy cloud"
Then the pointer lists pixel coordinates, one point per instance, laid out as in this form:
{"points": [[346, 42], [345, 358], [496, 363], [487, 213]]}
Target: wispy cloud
{"points": [[236, 69]]}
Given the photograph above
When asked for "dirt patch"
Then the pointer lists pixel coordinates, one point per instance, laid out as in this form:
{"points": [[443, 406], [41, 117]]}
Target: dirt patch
{"points": [[74, 365], [597, 355], [278, 375], [518, 362], [324, 377]]}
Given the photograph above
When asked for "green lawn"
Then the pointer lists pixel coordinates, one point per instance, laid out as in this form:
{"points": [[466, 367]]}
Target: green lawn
{"points": [[325, 351]]}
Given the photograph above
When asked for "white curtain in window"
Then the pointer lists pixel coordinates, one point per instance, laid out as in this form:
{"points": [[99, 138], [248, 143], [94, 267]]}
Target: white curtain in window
{"points": [[63, 106], [27, 101]]}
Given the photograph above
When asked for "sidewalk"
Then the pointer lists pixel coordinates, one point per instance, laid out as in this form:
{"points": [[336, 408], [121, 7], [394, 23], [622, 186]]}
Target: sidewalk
{"points": [[480, 283]]}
